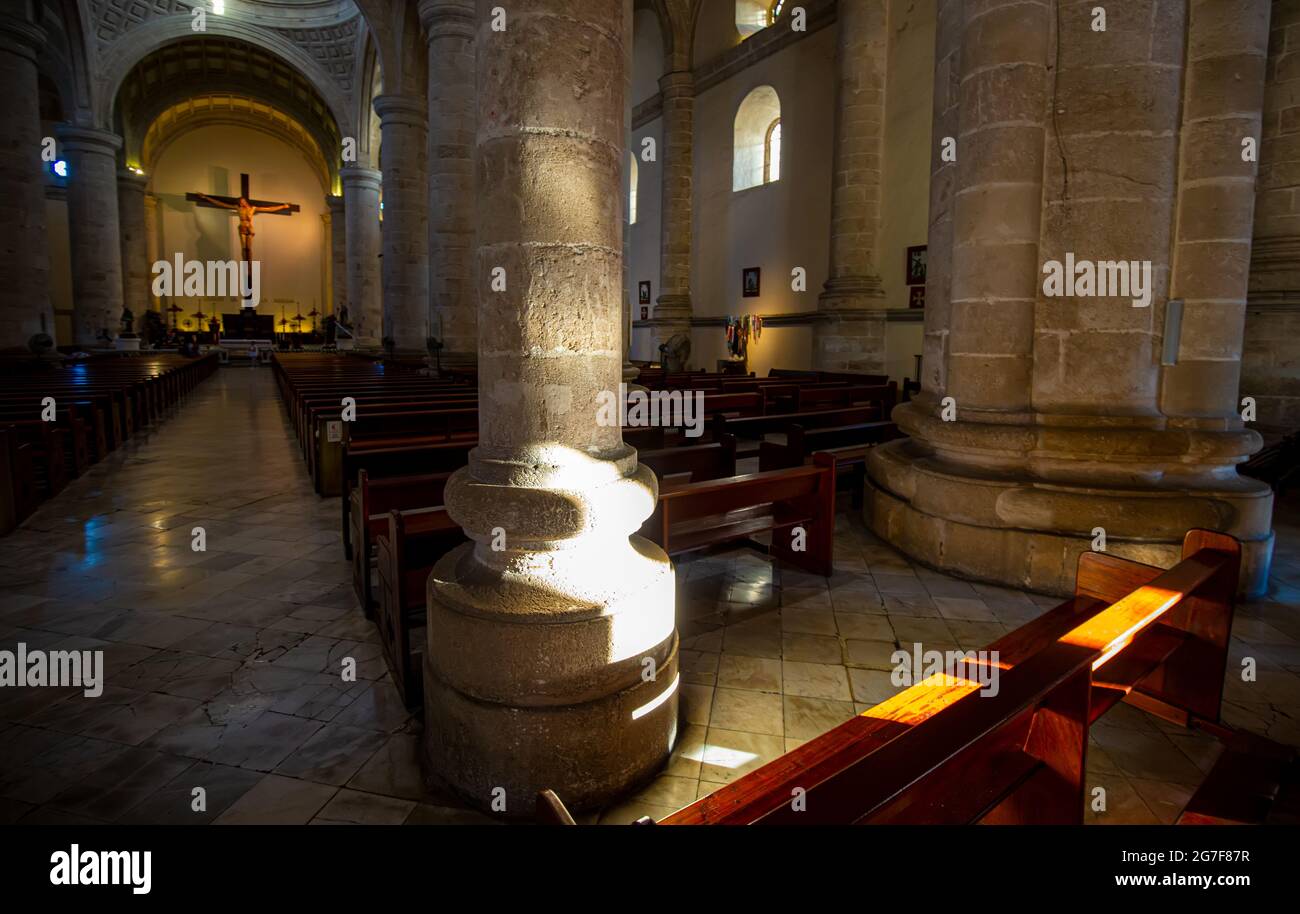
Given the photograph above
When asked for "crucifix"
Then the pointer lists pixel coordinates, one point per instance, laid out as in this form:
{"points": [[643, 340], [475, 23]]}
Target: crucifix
{"points": [[247, 209]]}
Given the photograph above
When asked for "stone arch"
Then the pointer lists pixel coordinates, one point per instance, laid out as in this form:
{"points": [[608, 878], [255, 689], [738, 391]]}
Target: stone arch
{"points": [[122, 56], [162, 81], [64, 59], [220, 108]]}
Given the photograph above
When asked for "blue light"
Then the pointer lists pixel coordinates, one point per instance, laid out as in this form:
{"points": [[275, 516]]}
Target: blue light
{"points": [[60, 168]]}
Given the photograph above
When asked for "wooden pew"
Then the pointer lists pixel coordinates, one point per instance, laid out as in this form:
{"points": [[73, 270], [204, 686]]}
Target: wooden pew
{"points": [[372, 500], [755, 428], [406, 554], [847, 444], [700, 515], [941, 753], [699, 462]]}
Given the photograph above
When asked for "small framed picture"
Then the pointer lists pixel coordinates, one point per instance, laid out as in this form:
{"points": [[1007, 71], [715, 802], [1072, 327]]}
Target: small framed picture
{"points": [[645, 313], [751, 281], [916, 297], [916, 265], [643, 291]]}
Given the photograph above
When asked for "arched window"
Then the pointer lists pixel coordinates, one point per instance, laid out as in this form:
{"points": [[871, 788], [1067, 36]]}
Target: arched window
{"points": [[757, 140], [631, 191], [755, 15], [772, 153]]}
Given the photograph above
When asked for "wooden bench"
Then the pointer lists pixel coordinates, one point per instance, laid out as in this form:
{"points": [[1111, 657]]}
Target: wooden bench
{"points": [[700, 515], [405, 556], [372, 500], [699, 462], [847, 444], [939, 752], [753, 429]]}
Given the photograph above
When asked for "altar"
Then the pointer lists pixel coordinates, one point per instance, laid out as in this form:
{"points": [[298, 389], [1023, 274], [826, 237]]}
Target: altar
{"points": [[247, 324]]}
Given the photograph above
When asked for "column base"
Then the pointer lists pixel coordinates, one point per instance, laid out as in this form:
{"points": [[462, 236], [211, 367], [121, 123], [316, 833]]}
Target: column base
{"points": [[1008, 528], [527, 688]]}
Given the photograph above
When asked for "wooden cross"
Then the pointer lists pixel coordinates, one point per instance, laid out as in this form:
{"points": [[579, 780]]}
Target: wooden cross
{"points": [[247, 208]]}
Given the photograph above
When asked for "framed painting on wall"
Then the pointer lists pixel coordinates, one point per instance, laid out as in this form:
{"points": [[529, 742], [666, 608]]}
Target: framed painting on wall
{"points": [[916, 265], [643, 292], [751, 281], [916, 297]]}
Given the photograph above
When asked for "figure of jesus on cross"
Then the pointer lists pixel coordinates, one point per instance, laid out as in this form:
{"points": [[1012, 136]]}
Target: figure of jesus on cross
{"points": [[246, 208]]}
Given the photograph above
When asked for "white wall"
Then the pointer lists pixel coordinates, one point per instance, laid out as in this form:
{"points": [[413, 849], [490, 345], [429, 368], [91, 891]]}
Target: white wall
{"points": [[777, 226], [210, 160]]}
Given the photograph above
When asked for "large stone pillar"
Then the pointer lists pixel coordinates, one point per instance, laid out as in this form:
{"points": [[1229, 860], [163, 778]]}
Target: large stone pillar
{"points": [[672, 311], [24, 295], [943, 181], [403, 126], [151, 242], [338, 253], [1055, 419], [135, 250], [552, 653], [93, 230], [449, 28], [850, 330], [364, 300], [630, 371]]}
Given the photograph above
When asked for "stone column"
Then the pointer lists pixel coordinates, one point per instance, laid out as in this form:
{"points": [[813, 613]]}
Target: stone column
{"points": [[943, 180], [364, 301], [403, 126], [24, 295], [850, 329], [1270, 360], [338, 251], [1058, 421], [449, 27], [1216, 207], [93, 230], [552, 653], [672, 311], [151, 242], [135, 251], [630, 371]]}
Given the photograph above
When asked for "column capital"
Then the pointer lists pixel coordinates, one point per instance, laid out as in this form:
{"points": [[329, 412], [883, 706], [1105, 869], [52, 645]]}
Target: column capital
{"points": [[358, 176], [130, 180], [335, 203], [447, 18], [88, 139], [677, 84], [401, 109]]}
